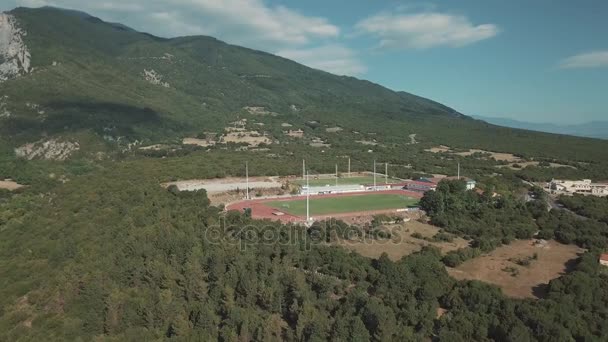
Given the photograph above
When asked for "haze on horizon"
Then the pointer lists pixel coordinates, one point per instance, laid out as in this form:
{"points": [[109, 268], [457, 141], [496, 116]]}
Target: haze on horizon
{"points": [[502, 60]]}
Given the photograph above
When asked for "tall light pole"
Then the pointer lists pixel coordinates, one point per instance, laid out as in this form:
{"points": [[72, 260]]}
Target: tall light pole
{"points": [[336, 174], [307, 199], [247, 177], [385, 173], [303, 168], [458, 170], [349, 167], [374, 174]]}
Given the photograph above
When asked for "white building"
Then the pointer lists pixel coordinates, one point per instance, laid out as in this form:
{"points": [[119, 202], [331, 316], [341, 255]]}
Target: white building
{"points": [[584, 187], [332, 189]]}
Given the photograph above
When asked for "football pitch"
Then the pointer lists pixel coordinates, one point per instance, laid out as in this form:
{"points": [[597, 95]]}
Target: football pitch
{"points": [[346, 181], [344, 204]]}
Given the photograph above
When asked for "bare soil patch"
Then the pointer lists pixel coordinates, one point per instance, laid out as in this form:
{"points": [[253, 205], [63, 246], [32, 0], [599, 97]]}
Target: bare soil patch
{"points": [[259, 111], [198, 142], [316, 142], [438, 149], [367, 142], [499, 267], [522, 165], [156, 147], [295, 134], [508, 157], [225, 184], [402, 243], [252, 138], [10, 185]]}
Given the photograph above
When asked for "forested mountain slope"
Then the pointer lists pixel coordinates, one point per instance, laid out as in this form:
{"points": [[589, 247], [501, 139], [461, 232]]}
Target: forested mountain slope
{"points": [[104, 79]]}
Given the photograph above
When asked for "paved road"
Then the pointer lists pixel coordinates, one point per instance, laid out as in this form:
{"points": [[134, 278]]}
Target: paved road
{"points": [[553, 203]]}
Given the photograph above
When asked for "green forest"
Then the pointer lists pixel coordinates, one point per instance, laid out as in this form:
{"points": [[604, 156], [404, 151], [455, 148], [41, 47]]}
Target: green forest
{"points": [[110, 254]]}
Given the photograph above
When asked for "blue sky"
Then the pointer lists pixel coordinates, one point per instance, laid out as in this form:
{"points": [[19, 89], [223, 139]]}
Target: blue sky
{"points": [[539, 61]]}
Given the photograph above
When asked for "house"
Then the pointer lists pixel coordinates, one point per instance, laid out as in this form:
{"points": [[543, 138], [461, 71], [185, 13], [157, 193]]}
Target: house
{"points": [[604, 259], [584, 187], [471, 183]]}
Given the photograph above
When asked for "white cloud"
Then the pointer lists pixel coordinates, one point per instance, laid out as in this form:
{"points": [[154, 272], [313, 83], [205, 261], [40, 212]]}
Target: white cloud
{"points": [[247, 22], [333, 58], [424, 30], [594, 59]]}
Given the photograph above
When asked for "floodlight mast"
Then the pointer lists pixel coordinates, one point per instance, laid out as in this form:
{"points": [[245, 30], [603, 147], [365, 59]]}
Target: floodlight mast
{"points": [[349, 167], [374, 175], [386, 173], [247, 178], [307, 199], [336, 174]]}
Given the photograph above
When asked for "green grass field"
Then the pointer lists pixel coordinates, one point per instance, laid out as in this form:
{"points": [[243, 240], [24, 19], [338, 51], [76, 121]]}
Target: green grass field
{"points": [[346, 180], [344, 204]]}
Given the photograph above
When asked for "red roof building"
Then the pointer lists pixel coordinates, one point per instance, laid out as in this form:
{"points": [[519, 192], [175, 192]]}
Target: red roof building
{"points": [[604, 259]]}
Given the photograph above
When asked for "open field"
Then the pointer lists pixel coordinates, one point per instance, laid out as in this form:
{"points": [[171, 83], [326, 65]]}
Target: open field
{"points": [[346, 180], [344, 204], [224, 184], [402, 243], [508, 157], [553, 259]]}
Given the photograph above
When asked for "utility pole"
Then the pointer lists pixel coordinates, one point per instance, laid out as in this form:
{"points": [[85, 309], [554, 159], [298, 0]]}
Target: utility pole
{"points": [[374, 174], [303, 168], [247, 177], [307, 199], [458, 170]]}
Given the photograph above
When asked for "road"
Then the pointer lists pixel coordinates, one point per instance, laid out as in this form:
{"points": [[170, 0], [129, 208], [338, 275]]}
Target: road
{"points": [[554, 204]]}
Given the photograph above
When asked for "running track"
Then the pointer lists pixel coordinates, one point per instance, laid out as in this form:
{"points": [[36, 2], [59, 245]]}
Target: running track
{"points": [[259, 209]]}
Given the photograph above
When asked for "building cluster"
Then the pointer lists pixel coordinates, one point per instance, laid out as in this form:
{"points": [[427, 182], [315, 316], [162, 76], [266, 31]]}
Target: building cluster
{"points": [[421, 185], [584, 187]]}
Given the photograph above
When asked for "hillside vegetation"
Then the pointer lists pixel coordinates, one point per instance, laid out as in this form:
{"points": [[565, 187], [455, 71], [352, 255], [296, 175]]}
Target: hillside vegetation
{"points": [[118, 84]]}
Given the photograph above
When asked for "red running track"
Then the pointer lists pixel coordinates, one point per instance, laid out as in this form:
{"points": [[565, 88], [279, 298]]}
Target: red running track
{"points": [[259, 209]]}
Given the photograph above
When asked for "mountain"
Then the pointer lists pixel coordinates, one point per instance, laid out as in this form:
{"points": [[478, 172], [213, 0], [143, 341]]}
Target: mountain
{"points": [[593, 129], [72, 76]]}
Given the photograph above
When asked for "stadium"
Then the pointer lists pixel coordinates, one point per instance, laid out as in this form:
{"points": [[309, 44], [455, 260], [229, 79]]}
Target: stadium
{"points": [[325, 197]]}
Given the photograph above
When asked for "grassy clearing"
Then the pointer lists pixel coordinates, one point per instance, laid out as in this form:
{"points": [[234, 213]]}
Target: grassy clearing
{"points": [[344, 204], [498, 267], [346, 180], [402, 242]]}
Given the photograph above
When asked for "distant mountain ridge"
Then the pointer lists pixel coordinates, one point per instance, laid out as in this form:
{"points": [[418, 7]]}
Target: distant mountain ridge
{"points": [[592, 129], [70, 76]]}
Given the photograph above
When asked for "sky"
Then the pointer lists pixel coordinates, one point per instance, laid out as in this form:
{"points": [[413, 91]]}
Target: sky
{"points": [[536, 61]]}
